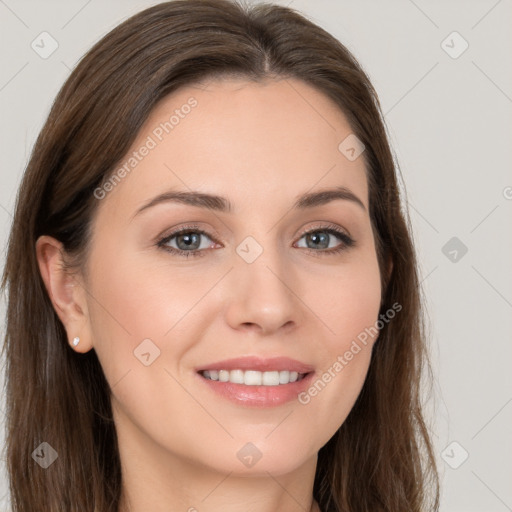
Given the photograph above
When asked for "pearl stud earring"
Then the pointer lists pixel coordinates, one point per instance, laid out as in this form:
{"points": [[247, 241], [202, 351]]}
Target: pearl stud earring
{"points": [[76, 341]]}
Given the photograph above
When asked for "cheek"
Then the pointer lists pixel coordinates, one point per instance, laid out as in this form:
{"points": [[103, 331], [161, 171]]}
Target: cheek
{"points": [[140, 301], [347, 300], [349, 311], [135, 302], [130, 304], [134, 307]]}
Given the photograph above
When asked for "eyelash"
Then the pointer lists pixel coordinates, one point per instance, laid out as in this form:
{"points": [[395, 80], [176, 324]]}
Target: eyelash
{"points": [[347, 241]]}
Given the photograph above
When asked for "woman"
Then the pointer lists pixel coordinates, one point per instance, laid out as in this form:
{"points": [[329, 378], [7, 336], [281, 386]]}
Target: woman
{"points": [[277, 370]]}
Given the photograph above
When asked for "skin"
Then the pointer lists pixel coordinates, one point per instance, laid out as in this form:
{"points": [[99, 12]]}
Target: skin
{"points": [[261, 145]]}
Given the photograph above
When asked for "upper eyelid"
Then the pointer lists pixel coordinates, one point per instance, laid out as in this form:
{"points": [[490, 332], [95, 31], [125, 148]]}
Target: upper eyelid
{"points": [[326, 226]]}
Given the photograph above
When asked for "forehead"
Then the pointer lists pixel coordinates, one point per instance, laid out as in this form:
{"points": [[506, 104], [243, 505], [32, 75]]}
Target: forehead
{"points": [[259, 141]]}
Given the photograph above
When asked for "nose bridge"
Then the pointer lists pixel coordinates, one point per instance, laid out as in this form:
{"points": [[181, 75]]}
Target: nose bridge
{"points": [[261, 261], [261, 293]]}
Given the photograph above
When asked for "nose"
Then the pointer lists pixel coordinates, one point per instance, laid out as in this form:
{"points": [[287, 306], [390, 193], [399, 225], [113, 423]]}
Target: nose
{"points": [[263, 295]]}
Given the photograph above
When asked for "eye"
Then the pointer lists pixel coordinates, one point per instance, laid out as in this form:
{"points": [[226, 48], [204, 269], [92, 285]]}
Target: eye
{"points": [[321, 238], [186, 241]]}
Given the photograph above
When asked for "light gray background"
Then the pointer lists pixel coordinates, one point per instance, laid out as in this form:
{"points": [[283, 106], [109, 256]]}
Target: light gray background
{"points": [[450, 124]]}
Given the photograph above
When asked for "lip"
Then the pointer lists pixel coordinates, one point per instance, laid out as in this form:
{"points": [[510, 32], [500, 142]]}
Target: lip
{"points": [[258, 396], [259, 364]]}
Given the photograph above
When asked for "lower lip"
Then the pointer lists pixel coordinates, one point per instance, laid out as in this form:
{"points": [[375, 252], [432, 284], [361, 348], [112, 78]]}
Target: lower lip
{"points": [[259, 396]]}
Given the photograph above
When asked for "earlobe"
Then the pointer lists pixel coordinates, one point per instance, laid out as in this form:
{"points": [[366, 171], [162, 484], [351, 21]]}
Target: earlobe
{"points": [[65, 293]]}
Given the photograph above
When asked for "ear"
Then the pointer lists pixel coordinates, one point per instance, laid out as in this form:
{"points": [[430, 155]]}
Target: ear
{"points": [[66, 292]]}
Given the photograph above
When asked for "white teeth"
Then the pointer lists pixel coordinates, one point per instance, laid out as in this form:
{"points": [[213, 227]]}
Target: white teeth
{"points": [[236, 376], [253, 377], [270, 379]]}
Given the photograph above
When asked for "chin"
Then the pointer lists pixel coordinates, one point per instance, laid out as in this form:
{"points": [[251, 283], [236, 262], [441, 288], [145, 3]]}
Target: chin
{"points": [[253, 459]]}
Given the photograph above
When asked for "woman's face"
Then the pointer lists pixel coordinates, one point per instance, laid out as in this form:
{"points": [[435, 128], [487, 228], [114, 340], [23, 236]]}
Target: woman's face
{"points": [[245, 281]]}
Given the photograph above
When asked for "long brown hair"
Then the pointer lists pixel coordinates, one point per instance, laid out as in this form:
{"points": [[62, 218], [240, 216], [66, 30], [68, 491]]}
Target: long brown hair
{"points": [[381, 458]]}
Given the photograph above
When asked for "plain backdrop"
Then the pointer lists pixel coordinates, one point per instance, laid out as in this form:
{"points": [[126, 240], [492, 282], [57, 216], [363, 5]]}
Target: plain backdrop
{"points": [[442, 71]]}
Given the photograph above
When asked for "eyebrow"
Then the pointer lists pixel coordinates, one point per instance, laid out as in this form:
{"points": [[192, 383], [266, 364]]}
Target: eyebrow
{"points": [[222, 204]]}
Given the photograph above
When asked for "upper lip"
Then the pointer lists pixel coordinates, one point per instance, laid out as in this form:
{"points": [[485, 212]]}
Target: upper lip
{"points": [[259, 364]]}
